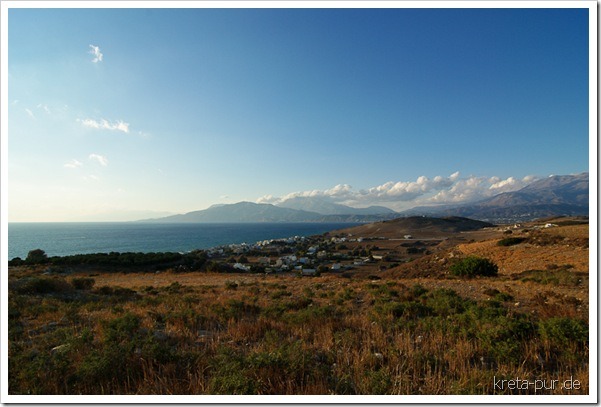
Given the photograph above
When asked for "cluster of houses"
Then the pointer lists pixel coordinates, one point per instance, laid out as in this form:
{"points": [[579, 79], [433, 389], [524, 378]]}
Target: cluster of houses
{"points": [[298, 254]]}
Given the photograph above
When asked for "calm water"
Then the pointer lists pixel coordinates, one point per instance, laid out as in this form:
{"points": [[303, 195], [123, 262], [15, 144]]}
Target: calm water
{"points": [[63, 239]]}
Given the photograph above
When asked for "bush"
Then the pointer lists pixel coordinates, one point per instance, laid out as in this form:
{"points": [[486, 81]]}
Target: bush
{"points": [[563, 331], [83, 283], [42, 285], [511, 241], [472, 266], [36, 256], [17, 261]]}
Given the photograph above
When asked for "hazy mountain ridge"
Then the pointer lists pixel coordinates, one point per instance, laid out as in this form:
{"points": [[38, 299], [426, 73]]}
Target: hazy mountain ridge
{"points": [[324, 207], [242, 212], [556, 195]]}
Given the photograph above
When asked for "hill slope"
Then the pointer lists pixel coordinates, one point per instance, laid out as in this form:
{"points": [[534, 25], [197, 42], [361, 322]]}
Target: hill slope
{"points": [[417, 226]]}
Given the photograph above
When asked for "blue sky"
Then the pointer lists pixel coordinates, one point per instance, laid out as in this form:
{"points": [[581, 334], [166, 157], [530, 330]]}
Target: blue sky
{"points": [[121, 114]]}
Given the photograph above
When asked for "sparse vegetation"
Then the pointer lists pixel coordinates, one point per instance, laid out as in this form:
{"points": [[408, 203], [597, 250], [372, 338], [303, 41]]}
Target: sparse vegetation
{"points": [[355, 332], [511, 241], [473, 266]]}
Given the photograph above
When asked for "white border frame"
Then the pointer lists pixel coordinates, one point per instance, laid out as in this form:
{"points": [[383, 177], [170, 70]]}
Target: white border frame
{"points": [[592, 6]]}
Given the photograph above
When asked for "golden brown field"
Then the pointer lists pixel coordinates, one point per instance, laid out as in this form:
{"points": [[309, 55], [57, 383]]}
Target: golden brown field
{"points": [[414, 328]]}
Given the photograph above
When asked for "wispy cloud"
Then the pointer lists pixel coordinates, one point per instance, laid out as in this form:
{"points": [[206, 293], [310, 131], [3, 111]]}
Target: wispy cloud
{"points": [[30, 114], [405, 194], [73, 164], [95, 50], [100, 159], [44, 108], [104, 124]]}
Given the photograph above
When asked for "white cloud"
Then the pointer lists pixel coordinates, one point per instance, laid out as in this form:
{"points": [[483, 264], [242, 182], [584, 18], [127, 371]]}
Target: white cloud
{"points": [[100, 159], [95, 50], [44, 108], [30, 114], [409, 190], [509, 184], [340, 191], [405, 194], [105, 124], [270, 199], [73, 164]]}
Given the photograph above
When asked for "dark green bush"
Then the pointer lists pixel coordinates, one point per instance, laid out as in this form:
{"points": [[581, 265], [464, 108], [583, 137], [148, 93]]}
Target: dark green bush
{"points": [[36, 256], [17, 261], [563, 331], [472, 266], [83, 283], [511, 241], [42, 285]]}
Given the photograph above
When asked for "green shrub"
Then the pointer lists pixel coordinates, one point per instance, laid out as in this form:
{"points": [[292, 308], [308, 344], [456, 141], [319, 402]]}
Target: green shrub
{"points": [[559, 276], [17, 261], [41, 285], [472, 266], [36, 256], [511, 241], [564, 331], [83, 283]]}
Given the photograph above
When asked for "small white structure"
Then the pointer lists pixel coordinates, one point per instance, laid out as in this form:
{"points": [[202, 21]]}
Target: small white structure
{"points": [[240, 266]]}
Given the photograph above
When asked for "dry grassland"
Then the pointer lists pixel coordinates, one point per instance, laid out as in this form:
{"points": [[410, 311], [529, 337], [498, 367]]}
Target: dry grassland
{"points": [[400, 333]]}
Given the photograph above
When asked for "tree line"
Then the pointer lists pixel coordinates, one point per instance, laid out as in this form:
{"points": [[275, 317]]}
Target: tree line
{"points": [[192, 261]]}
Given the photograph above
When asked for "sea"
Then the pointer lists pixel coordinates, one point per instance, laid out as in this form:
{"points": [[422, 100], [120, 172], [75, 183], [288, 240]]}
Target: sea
{"points": [[64, 239]]}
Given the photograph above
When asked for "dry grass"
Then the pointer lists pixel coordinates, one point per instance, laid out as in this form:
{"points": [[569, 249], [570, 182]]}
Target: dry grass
{"points": [[205, 333]]}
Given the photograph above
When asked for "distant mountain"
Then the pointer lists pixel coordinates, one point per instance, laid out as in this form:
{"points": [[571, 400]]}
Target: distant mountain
{"points": [[251, 212], [324, 207], [552, 196], [244, 212], [556, 195]]}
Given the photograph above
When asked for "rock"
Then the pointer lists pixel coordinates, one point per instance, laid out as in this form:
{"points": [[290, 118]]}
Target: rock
{"points": [[60, 348]]}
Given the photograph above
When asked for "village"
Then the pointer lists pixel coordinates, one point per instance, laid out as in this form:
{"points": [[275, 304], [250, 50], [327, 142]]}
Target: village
{"points": [[310, 256], [346, 252]]}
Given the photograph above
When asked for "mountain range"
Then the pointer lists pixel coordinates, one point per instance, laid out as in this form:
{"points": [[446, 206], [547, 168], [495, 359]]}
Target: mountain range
{"points": [[242, 212], [556, 195], [552, 196], [325, 207]]}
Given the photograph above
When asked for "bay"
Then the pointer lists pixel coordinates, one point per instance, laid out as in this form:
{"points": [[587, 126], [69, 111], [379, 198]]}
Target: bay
{"points": [[64, 239]]}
